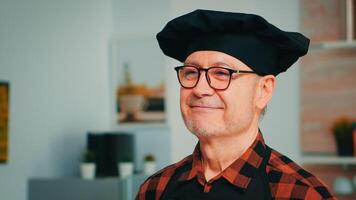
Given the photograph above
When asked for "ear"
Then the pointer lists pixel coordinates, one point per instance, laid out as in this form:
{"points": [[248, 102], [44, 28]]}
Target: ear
{"points": [[265, 89]]}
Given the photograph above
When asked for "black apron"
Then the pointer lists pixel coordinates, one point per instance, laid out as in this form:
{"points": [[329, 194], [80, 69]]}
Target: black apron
{"points": [[221, 189]]}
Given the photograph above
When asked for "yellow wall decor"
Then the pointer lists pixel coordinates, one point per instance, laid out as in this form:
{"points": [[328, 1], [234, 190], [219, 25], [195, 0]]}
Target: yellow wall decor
{"points": [[4, 119]]}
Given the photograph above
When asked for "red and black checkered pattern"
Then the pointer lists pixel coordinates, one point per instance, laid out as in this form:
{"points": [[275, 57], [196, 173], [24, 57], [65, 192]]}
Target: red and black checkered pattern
{"points": [[287, 180]]}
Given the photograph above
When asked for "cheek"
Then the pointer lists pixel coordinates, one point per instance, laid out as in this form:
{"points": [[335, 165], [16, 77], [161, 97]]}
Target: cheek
{"points": [[183, 99], [238, 103]]}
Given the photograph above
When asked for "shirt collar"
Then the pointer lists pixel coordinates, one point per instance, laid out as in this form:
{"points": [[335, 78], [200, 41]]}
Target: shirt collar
{"points": [[239, 173]]}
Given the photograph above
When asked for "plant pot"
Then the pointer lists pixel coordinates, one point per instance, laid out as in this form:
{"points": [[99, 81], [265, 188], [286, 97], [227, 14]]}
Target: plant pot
{"points": [[125, 169], [132, 103], [149, 167], [87, 170], [343, 186]]}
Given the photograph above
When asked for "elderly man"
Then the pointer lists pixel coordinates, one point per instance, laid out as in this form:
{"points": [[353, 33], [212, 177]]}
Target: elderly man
{"points": [[230, 61]]}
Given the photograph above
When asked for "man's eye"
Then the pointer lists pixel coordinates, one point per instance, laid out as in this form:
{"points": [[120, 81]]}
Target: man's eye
{"points": [[221, 73], [190, 73]]}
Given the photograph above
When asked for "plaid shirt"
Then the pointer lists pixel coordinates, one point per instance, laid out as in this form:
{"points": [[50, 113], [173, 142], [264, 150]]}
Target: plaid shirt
{"points": [[287, 180]]}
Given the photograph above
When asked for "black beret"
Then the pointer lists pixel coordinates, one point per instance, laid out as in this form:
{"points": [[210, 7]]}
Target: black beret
{"points": [[250, 38]]}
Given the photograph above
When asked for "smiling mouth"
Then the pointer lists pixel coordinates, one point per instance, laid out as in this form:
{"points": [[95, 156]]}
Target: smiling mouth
{"points": [[205, 107]]}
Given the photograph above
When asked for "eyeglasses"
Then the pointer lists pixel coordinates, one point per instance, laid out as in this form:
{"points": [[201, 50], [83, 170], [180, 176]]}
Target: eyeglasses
{"points": [[218, 78]]}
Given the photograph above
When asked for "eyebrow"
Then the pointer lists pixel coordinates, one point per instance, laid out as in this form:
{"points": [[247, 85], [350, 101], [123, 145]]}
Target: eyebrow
{"points": [[217, 64]]}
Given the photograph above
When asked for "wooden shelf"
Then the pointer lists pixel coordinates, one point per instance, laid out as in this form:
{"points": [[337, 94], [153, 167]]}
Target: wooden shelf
{"points": [[328, 160]]}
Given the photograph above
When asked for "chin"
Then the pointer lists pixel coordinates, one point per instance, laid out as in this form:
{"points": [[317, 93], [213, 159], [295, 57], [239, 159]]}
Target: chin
{"points": [[203, 128]]}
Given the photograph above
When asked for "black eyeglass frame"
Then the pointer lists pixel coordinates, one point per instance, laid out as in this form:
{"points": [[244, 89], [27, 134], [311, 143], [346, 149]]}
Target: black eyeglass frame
{"points": [[231, 71]]}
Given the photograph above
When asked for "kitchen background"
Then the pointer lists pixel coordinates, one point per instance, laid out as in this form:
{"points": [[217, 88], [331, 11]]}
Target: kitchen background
{"points": [[64, 62]]}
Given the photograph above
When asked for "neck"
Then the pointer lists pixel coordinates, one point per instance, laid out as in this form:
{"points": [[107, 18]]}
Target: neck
{"points": [[219, 152]]}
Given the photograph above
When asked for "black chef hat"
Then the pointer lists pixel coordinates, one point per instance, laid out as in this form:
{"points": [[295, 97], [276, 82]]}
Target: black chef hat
{"points": [[247, 37]]}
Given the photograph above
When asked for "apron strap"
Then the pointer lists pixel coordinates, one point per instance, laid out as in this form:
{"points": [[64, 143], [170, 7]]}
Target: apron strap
{"points": [[263, 174]]}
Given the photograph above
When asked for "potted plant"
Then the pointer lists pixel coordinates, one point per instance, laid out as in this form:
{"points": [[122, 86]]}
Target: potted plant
{"points": [[126, 167], [342, 130], [87, 165], [149, 164]]}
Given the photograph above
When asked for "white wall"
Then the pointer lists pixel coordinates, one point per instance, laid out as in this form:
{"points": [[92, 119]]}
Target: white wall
{"points": [[281, 123], [55, 56], [136, 18]]}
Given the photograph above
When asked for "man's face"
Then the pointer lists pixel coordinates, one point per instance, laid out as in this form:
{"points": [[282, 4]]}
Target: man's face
{"points": [[210, 112]]}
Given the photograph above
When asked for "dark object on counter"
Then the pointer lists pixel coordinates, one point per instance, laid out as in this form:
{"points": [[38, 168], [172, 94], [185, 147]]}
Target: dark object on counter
{"points": [[110, 148]]}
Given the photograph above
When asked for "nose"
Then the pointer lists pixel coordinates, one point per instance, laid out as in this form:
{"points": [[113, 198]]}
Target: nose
{"points": [[203, 88]]}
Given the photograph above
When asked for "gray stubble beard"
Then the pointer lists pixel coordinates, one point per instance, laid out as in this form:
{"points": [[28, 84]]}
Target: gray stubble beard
{"points": [[201, 130]]}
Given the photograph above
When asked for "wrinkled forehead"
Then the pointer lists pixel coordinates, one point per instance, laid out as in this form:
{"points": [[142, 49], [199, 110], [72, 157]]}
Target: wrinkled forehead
{"points": [[209, 58]]}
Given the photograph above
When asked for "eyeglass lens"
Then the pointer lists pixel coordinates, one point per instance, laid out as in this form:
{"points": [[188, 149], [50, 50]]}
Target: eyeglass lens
{"points": [[217, 77]]}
